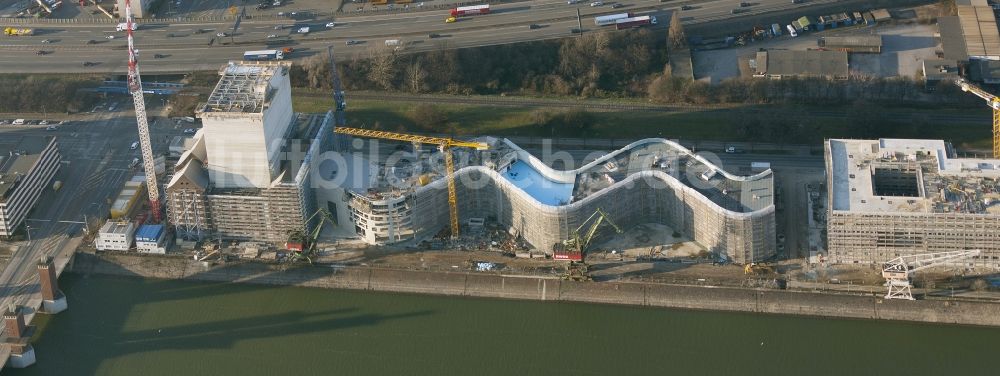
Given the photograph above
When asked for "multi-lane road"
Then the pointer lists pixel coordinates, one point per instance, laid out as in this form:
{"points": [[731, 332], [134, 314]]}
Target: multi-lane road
{"points": [[196, 46]]}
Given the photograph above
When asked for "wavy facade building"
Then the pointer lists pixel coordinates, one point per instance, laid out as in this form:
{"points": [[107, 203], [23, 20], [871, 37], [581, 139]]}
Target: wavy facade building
{"points": [[401, 198]]}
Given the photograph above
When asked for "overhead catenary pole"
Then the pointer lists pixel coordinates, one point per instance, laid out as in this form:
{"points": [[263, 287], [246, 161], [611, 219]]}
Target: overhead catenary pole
{"points": [[135, 88]]}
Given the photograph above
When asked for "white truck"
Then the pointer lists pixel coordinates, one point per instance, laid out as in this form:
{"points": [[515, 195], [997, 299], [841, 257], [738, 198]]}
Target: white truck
{"points": [[122, 26]]}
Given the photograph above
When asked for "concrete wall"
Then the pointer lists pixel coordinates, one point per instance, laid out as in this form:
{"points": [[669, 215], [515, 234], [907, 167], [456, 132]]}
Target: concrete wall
{"points": [[547, 289]]}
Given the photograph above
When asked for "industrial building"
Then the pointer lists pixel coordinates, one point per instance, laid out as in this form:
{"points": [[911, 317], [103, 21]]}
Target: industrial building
{"points": [[778, 64], [871, 44], [27, 165], [937, 71], [115, 236], [900, 197], [150, 239], [246, 173], [653, 180]]}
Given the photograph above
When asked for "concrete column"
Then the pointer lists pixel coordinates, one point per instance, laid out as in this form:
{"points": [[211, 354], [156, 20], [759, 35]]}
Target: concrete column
{"points": [[53, 300], [21, 352]]}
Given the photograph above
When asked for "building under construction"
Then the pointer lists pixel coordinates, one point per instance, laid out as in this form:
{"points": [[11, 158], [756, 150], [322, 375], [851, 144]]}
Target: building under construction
{"points": [[246, 174], [897, 197], [404, 197]]}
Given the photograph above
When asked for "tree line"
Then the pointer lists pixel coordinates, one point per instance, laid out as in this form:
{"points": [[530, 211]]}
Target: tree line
{"points": [[45, 93]]}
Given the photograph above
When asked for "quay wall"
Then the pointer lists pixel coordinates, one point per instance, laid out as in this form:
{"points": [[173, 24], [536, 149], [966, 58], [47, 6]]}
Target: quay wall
{"points": [[474, 284]]}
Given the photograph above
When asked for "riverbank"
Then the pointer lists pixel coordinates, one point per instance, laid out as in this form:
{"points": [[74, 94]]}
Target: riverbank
{"points": [[460, 283]]}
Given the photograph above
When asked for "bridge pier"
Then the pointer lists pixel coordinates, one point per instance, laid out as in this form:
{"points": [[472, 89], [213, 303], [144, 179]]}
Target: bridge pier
{"points": [[18, 334], [53, 300]]}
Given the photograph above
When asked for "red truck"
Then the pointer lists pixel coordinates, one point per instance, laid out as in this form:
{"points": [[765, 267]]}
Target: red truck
{"points": [[628, 23], [470, 10]]}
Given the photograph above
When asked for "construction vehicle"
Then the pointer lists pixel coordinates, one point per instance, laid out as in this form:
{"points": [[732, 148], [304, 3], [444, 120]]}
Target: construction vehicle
{"points": [[755, 268], [994, 103], [135, 88], [18, 31], [445, 145], [304, 246], [573, 249], [897, 272]]}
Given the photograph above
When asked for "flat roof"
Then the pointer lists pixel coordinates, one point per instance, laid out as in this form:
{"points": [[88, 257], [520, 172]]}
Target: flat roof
{"points": [[244, 86], [149, 233], [855, 41], [984, 70], [979, 27], [940, 69], [910, 176], [116, 227], [952, 40], [802, 63], [17, 156]]}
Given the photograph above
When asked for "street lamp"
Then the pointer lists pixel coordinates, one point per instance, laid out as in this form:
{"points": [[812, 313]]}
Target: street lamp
{"points": [[27, 230]]}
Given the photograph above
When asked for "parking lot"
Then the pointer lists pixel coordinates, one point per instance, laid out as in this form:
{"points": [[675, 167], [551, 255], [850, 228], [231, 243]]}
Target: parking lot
{"points": [[903, 49]]}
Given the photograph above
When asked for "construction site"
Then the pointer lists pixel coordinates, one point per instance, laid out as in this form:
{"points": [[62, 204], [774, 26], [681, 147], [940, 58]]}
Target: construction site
{"points": [[897, 197]]}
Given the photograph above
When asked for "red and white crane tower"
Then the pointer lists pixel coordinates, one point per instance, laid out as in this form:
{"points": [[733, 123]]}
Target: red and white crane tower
{"points": [[135, 87]]}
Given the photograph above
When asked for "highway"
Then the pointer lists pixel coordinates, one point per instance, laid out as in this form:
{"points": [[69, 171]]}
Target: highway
{"points": [[195, 46]]}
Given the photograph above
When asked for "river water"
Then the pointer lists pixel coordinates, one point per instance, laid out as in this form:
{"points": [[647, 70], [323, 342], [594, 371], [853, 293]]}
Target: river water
{"points": [[130, 326]]}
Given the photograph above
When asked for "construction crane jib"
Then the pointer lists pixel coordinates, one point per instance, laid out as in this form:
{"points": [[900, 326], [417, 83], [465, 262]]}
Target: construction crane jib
{"points": [[994, 102], [445, 143], [135, 88], [897, 271]]}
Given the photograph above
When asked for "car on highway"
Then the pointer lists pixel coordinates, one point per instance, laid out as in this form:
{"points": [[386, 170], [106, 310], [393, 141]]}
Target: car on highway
{"points": [[272, 36], [263, 6], [221, 35], [159, 56], [135, 145], [43, 122], [91, 41], [575, 31], [41, 52], [46, 41], [51, 128], [352, 42], [331, 24], [686, 7], [617, 5], [190, 131], [110, 37], [279, 27], [745, 4], [597, 4], [571, 2], [533, 26], [3, 122], [89, 64], [450, 20], [434, 35]]}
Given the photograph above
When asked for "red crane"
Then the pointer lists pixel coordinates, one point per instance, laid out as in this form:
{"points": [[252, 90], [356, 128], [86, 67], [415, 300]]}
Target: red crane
{"points": [[135, 88]]}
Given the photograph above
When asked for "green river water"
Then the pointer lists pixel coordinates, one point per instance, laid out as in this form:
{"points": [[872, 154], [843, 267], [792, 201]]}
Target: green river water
{"points": [[129, 326]]}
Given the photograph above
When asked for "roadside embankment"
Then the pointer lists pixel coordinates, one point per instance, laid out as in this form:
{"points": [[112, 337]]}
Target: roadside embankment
{"points": [[460, 283]]}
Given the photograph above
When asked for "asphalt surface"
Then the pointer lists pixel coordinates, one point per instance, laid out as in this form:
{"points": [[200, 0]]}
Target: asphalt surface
{"points": [[96, 157], [195, 46]]}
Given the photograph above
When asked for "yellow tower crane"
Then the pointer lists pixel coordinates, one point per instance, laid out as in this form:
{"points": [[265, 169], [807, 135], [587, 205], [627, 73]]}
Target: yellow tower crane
{"points": [[994, 103], [445, 143]]}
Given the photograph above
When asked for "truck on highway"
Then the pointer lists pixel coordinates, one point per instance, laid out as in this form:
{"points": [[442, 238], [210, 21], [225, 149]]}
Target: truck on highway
{"points": [[122, 26], [18, 31], [263, 55], [610, 19], [471, 10], [632, 22]]}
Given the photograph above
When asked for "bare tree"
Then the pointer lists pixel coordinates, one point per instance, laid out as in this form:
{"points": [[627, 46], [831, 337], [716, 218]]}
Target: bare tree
{"points": [[675, 34], [416, 77], [383, 68]]}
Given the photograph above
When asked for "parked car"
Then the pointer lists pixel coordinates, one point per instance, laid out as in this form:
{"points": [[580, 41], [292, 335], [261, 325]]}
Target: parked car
{"points": [[190, 131], [43, 122], [597, 4], [51, 128]]}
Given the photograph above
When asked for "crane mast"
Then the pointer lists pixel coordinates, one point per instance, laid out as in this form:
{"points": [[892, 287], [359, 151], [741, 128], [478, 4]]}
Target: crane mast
{"points": [[135, 88], [994, 102]]}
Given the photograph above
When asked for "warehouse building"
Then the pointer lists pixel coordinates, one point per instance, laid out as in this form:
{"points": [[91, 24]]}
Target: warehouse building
{"points": [[870, 44], [27, 165], [777, 64], [150, 239], [648, 181], [898, 197], [245, 175]]}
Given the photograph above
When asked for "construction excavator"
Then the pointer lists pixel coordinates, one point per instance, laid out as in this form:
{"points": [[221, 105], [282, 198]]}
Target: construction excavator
{"points": [[574, 249], [303, 245]]}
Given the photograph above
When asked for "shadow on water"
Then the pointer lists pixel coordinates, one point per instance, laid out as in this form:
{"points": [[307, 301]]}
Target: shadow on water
{"points": [[189, 316]]}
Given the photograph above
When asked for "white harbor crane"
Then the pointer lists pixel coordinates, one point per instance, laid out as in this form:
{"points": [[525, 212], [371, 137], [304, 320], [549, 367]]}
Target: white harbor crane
{"points": [[135, 88], [897, 271]]}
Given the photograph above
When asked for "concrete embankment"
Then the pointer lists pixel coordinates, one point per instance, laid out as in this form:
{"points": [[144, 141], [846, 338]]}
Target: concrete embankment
{"points": [[535, 288]]}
